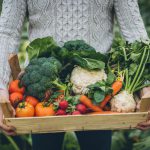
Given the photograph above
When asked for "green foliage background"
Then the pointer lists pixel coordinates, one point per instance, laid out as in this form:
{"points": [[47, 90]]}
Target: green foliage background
{"points": [[121, 140]]}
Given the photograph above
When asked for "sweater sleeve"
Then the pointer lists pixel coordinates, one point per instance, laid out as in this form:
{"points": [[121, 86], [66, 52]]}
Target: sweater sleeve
{"points": [[130, 20], [11, 21]]}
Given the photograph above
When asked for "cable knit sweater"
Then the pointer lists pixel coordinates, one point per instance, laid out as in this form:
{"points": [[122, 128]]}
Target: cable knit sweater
{"points": [[90, 20]]}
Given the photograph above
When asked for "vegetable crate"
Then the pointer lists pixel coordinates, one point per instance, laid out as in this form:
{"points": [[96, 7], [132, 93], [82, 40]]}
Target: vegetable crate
{"points": [[53, 124]]}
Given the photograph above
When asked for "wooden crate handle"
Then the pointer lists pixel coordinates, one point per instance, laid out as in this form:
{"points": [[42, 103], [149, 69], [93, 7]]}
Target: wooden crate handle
{"points": [[15, 70], [14, 65]]}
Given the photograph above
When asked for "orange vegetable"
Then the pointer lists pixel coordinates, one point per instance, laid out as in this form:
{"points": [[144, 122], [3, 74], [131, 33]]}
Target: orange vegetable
{"points": [[104, 112], [32, 100], [61, 91], [116, 86], [15, 98], [105, 101], [24, 109], [44, 109], [88, 103], [14, 87]]}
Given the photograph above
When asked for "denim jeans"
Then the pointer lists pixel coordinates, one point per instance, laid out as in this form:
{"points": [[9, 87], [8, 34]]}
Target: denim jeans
{"points": [[88, 140]]}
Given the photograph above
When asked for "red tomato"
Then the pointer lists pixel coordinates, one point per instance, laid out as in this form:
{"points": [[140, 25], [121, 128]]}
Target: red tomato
{"points": [[32, 100], [15, 98], [14, 87]]}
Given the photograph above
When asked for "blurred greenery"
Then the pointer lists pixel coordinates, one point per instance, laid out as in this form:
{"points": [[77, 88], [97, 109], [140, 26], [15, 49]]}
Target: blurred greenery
{"points": [[121, 140]]}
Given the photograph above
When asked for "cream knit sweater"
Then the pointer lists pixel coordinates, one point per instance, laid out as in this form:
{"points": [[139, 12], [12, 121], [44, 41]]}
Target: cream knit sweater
{"points": [[90, 20]]}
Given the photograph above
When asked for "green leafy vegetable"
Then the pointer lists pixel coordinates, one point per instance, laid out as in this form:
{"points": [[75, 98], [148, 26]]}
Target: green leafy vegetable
{"points": [[132, 62], [43, 47], [99, 90], [88, 63]]}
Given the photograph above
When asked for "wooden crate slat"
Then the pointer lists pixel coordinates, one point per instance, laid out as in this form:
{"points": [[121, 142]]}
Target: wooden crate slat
{"points": [[76, 123]]}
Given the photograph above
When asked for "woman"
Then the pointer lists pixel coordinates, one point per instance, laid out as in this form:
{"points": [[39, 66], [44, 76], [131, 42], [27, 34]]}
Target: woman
{"points": [[90, 20]]}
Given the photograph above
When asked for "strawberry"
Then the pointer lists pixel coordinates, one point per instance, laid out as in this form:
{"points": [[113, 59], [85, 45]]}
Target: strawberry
{"points": [[63, 104], [81, 108], [60, 112], [76, 112]]}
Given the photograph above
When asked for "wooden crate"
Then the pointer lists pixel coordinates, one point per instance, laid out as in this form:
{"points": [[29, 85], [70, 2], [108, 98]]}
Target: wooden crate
{"points": [[76, 123], [72, 123]]}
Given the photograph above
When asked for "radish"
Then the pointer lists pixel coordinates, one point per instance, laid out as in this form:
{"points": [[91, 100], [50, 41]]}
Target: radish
{"points": [[60, 112], [63, 104], [76, 112], [81, 108]]}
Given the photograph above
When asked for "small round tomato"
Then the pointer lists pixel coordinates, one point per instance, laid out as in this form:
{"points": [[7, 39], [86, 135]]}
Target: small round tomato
{"points": [[14, 87], [24, 109], [15, 98], [32, 100], [44, 109]]}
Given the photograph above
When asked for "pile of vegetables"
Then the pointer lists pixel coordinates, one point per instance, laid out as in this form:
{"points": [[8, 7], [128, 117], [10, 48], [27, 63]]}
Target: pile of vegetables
{"points": [[132, 62], [76, 79]]}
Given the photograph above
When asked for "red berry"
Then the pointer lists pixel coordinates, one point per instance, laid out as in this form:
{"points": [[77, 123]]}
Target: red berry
{"points": [[76, 112], [81, 108], [60, 112], [63, 104]]}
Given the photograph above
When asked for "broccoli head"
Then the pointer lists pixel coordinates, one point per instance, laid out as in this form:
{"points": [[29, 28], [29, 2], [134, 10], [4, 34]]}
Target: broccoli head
{"points": [[39, 75]]}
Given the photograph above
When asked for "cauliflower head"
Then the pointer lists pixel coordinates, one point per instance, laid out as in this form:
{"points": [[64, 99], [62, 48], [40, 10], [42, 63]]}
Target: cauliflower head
{"points": [[81, 78]]}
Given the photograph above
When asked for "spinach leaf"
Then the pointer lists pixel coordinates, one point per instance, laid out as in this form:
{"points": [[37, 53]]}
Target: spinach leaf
{"points": [[99, 90], [88, 63], [42, 47], [99, 96], [110, 78]]}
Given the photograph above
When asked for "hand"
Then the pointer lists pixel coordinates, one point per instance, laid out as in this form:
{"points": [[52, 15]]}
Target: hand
{"points": [[8, 130], [144, 125]]}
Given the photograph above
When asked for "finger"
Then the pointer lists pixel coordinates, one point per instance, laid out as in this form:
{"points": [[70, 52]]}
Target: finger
{"points": [[11, 109], [143, 128], [7, 128], [10, 133], [146, 123]]}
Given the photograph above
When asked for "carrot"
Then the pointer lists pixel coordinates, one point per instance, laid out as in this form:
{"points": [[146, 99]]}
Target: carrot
{"points": [[88, 103], [104, 112], [116, 86], [105, 101]]}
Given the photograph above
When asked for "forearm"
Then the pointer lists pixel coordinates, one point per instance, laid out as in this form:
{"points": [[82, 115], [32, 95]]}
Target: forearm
{"points": [[11, 21], [130, 20]]}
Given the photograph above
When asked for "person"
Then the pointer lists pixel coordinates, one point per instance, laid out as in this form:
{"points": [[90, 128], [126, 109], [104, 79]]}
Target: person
{"points": [[89, 20]]}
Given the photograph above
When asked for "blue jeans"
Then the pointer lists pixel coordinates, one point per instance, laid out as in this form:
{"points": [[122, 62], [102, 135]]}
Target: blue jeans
{"points": [[88, 140]]}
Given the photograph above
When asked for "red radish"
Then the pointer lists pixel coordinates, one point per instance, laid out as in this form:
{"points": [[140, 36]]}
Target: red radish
{"points": [[60, 112], [76, 112], [81, 108], [63, 104]]}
